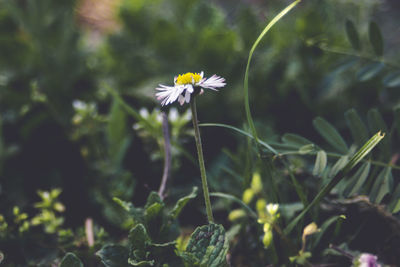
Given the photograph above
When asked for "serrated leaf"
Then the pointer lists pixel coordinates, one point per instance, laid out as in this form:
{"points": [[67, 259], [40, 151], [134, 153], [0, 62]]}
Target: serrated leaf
{"points": [[209, 245], [330, 134], [392, 79], [138, 239], [382, 185], [360, 177], [295, 140], [153, 216], [320, 163], [352, 35], [133, 262], [369, 71], [182, 203], [114, 256], [358, 129], [339, 165], [152, 198], [136, 213], [71, 260], [376, 123], [375, 38]]}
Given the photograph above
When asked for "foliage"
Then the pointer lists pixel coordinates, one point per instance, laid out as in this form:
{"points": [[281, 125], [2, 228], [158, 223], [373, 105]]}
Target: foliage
{"points": [[82, 141]]}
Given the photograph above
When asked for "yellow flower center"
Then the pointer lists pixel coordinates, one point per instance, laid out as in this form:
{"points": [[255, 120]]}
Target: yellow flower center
{"points": [[188, 78]]}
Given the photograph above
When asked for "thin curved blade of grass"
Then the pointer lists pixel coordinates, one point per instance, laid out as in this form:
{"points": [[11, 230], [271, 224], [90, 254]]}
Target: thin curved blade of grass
{"points": [[237, 200], [242, 132], [356, 158], [246, 75]]}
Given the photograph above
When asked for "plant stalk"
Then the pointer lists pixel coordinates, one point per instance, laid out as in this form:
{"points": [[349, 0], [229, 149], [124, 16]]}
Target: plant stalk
{"points": [[201, 161]]}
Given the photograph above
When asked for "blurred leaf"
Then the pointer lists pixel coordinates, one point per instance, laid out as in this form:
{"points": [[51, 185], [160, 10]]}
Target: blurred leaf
{"points": [[358, 129], [70, 260], [369, 71], [320, 163], [352, 35], [114, 256], [182, 203], [237, 200], [392, 79], [207, 246], [394, 205], [117, 132], [376, 123], [295, 140], [340, 163], [397, 207], [355, 159], [306, 149], [381, 187], [330, 134], [359, 177], [397, 120], [324, 227], [375, 38], [1, 256]]}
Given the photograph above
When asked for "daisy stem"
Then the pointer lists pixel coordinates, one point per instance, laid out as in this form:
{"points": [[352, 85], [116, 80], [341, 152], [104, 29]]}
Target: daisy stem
{"points": [[201, 161]]}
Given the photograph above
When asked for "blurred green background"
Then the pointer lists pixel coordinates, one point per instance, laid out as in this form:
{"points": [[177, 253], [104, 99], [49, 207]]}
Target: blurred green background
{"points": [[66, 65]]}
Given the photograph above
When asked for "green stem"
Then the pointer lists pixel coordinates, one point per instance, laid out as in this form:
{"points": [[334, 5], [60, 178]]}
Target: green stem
{"points": [[201, 161]]}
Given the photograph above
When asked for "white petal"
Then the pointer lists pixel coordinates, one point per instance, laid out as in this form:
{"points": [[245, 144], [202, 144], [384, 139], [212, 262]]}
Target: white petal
{"points": [[168, 94], [187, 96], [212, 83], [181, 99]]}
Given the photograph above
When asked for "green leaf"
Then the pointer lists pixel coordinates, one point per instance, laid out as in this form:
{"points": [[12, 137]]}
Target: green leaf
{"points": [[307, 149], [136, 213], [376, 123], [382, 185], [355, 159], [396, 207], [153, 217], [246, 74], [1, 256], [114, 256], [295, 140], [208, 246], [375, 38], [152, 198], [359, 177], [320, 163], [237, 200], [182, 203], [397, 120], [369, 71], [358, 129], [352, 35], [138, 240], [70, 260], [133, 262], [324, 227], [117, 132], [340, 163], [330, 134], [392, 79]]}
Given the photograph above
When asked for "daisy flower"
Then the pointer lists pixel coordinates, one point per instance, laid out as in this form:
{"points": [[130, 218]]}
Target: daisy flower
{"points": [[187, 84]]}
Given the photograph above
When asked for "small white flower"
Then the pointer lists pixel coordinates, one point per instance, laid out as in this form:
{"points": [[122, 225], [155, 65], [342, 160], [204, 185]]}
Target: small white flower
{"points": [[185, 85]]}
